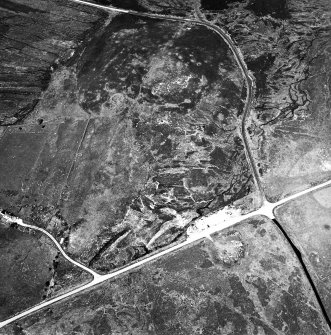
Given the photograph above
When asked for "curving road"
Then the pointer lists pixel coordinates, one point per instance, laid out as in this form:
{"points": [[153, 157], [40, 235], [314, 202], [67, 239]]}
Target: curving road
{"points": [[210, 224], [12, 219], [250, 83]]}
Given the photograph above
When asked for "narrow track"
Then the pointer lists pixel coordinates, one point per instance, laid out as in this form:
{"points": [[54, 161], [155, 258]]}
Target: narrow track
{"points": [[12, 219], [214, 222], [238, 58]]}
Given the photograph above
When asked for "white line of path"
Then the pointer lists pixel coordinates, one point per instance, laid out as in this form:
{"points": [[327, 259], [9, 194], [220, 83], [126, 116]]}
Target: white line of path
{"points": [[212, 223], [203, 227], [230, 216], [12, 219], [301, 193]]}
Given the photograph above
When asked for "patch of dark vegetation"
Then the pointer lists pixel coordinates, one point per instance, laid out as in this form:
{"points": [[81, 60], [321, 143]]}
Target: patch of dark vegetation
{"points": [[275, 8], [3, 29], [207, 54], [260, 66], [216, 4], [17, 7], [18, 330]]}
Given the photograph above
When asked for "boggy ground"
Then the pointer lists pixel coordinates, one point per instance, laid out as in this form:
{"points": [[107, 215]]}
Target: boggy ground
{"points": [[288, 50], [230, 285], [286, 44], [163, 146], [130, 144], [117, 168], [307, 221], [32, 270]]}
